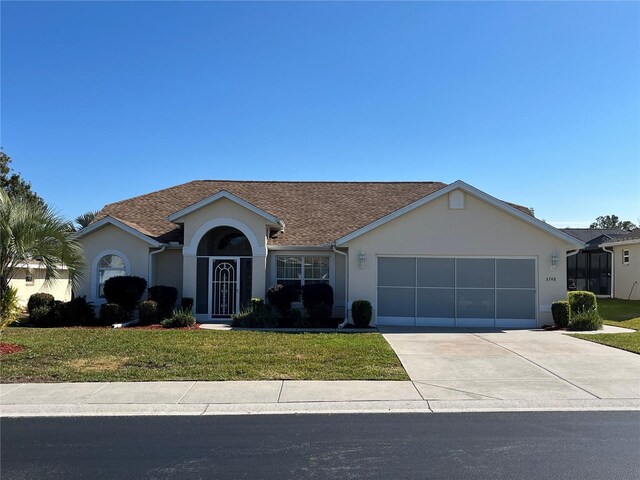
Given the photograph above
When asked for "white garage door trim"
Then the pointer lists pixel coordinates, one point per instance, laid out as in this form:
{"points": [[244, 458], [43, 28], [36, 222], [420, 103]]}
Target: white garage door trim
{"points": [[457, 321]]}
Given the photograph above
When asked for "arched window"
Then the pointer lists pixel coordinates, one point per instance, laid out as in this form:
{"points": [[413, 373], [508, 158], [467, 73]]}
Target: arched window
{"points": [[109, 266], [224, 241]]}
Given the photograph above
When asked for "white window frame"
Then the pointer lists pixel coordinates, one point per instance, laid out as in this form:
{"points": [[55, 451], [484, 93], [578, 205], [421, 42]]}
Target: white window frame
{"points": [[302, 255], [95, 284], [626, 256]]}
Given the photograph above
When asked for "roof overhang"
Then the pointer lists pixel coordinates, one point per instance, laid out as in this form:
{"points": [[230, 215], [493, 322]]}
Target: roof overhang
{"points": [[465, 187], [108, 220], [628, 241], [271, 219]]}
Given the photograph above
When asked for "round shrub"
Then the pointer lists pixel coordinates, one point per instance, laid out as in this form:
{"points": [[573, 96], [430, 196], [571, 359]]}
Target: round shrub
{"points": [[582, 301], [111, 313], [561, 312], [39, 300], [166, 298], [361, 312], [148, 312], [39, 316], [78, 311], [281, 297], [316, 294], [125, 290], [319, 315], [179, 319], [585, 320]]}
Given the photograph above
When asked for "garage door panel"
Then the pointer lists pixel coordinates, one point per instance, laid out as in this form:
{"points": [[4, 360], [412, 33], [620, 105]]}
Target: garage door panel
{"points": [[516, 304], [436, 302], [475, 303], [436, 272], [396, 302], [475, 272], [396, 272], [515, 273]]}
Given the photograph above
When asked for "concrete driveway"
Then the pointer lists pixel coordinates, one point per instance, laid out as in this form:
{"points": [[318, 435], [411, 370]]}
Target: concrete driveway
{"points": [[462, 364]]}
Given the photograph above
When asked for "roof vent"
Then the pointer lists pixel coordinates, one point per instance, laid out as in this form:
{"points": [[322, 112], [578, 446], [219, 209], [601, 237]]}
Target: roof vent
{"points": [[456, 200]]}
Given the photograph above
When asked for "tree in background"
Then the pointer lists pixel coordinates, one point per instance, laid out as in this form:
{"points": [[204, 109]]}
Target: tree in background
{"points": [[85, 219], [612, 221], [14, 185]]}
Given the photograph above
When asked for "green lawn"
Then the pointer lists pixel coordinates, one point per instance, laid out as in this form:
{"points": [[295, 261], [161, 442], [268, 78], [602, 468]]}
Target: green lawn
{"points": [[92, 355], [620, 313]]}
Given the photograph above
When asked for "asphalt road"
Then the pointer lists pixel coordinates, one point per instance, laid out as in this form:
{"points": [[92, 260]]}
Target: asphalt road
{"points": [[558, 445]]}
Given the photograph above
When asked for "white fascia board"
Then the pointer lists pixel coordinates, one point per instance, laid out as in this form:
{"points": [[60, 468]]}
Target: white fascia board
{"points": [[300, 247], [465, 187], [229, 196], [117, 223], [630, 241]]}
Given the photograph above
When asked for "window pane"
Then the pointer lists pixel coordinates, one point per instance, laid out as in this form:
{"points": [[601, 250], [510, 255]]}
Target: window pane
{"points": [[476, 303], [516, 304], [396, 272], [436, 272], [106, 274], [475, 272], [436, 302], [516, 273], [316, 268], [288, 267], [111, 261], [396, 302]]}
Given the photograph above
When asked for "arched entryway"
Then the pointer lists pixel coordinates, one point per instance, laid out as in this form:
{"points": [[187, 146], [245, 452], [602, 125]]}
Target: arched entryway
{"points": [[224, 265]]}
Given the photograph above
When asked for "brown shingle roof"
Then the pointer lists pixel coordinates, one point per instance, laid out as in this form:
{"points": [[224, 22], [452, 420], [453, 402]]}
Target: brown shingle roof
{"points": [[315, 213]]}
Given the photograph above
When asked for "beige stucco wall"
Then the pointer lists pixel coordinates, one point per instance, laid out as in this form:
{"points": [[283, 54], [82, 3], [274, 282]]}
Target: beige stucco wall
{"points": [[59, 287], [479, 229], [625, 276], [110, 239], [167, 269], [199, 222]]}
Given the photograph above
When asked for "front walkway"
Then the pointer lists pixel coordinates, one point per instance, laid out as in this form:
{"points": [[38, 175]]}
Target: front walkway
{"points": [[468, 366]]}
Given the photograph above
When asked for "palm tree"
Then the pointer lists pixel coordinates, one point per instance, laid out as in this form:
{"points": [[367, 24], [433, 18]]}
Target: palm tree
{"points": [[85, 219], [34, 233]]}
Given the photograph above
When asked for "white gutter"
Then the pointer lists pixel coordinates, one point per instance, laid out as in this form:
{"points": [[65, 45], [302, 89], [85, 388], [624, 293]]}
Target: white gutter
{"points": [[346, 286], [613, 267]]}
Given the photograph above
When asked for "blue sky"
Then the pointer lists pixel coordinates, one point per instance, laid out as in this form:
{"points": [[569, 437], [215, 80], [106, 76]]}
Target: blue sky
{"points": [[535, 103]]}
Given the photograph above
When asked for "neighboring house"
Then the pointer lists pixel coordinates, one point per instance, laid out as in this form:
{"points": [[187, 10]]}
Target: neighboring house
{"points": [[593, 268], [30, 279], [626, 264], [423, 253]]}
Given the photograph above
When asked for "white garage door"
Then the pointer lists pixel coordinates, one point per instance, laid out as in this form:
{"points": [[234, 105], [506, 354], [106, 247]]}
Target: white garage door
{"points": [[462, 292]]}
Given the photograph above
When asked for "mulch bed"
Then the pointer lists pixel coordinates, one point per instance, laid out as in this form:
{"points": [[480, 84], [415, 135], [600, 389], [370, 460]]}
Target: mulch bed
{"points": [[157, 326], [9, 348]]}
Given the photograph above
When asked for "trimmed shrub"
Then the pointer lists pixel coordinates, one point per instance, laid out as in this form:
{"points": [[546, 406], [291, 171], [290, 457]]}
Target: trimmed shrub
{"points": [[361, 312], [179, 319], [148, 312], [320, 315], [316, 294], [561, 312], [166, 298], [186, 303], [77, 311], [125, 290], [281, 297], [111, 313], [39, 300], [250, 318], [581, 301], [39, 316], [585, 320]]}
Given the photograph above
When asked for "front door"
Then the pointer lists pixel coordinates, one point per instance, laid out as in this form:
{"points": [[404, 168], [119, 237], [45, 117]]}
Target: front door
{"points": [[224, 294]]}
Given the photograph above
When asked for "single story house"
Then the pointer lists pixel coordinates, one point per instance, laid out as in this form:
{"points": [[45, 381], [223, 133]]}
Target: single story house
{"points": [[30, 279], [423, 253], [604, 265]]}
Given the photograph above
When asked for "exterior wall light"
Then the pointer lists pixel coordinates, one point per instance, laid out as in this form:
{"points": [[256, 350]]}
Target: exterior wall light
{"points": [[363, 258], [554, 260]]}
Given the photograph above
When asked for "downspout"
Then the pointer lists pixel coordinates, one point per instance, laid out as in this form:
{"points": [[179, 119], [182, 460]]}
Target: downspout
{"points": [[346, 286], [613, 267]]}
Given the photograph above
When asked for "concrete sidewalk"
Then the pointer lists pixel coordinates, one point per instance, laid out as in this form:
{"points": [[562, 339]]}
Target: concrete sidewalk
{"points": [[263, 397]]}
